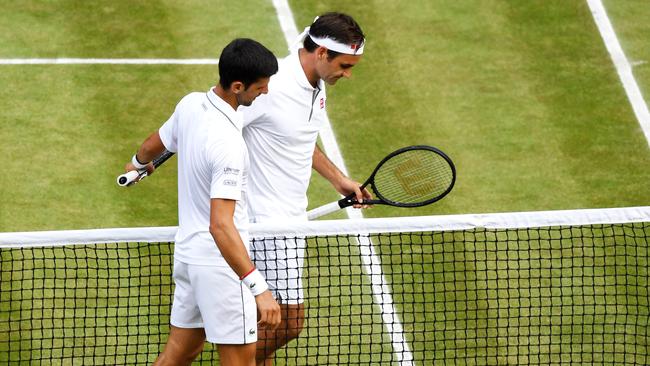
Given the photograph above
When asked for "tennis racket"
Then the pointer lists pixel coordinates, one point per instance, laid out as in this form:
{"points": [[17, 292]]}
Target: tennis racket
{"points": [[412, 176], [131, 177]]}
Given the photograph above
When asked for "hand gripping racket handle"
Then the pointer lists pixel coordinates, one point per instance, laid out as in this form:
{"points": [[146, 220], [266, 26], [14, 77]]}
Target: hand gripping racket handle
{"points": [[129, 178], [337, 205]]}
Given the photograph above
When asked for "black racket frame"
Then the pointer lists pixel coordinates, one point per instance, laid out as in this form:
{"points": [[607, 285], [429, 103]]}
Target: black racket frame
{"points": [[351, 200]]}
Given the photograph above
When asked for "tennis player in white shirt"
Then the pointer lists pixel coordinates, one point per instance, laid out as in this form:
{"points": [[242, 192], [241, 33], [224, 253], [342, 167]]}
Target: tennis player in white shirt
{"points": [[280, 131], [218, 291]]}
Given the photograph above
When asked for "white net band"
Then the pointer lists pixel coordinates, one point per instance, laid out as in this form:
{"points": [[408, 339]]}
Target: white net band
{"points": [[511, 220]]}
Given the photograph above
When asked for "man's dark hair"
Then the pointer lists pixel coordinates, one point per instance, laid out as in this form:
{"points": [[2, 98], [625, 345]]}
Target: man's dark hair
{"points": [[337, 26], [247, 61]]}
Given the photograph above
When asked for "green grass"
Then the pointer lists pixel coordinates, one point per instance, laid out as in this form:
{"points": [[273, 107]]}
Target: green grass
{"points": [[73, 141], [534, 119], [521, 94], [73, 128], [133, 29]]}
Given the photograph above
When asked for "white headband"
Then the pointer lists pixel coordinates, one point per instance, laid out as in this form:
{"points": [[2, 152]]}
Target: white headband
{"points": [[330, 44]]}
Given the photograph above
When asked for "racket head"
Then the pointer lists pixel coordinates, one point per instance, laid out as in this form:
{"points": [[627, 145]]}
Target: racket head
{"points": [[413, 176]]}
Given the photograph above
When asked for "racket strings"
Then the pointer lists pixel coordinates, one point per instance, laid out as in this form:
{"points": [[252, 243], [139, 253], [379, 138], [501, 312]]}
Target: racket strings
{"points": [[413, 177]]}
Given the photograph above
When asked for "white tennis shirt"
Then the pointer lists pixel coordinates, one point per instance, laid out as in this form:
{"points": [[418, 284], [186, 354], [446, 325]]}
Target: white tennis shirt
{"points": [[212, 163], [280, 130]]}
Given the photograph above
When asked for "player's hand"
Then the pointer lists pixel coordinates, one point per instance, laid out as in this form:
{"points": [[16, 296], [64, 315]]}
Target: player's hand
{"points": [[130, 167], [347, 186], [268, 311]]}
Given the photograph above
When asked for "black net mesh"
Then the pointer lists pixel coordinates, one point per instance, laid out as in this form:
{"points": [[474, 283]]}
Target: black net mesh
{"points": [[562, 295]]}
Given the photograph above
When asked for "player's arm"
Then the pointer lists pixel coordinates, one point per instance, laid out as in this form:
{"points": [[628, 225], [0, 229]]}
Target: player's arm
{"points": [[344, 185], [231, 246], [150, 149]]}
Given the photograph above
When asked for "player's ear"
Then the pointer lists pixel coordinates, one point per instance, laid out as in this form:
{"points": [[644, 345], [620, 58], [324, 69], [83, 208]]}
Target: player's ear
{"points": [[321, 53], [237, 87]]}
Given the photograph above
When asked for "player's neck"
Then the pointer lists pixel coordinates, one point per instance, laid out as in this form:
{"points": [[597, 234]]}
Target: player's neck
{"points": [[227, 96], [308, 63]]}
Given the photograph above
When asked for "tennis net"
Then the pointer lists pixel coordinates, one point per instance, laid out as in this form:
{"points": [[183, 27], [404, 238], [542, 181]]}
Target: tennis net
{"points": [[536, 288]]}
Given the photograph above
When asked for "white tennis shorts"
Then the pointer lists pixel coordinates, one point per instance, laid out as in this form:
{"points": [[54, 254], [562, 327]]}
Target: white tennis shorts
{"points": [[215, 299], [281, 262]]}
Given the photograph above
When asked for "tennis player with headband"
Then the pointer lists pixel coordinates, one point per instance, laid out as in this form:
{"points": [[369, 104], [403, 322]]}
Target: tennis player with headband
{"points": [[280, 130]]}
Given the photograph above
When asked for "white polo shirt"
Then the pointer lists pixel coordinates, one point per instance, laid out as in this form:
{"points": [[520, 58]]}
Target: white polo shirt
{"points": [[212, 163], [280, 130]]}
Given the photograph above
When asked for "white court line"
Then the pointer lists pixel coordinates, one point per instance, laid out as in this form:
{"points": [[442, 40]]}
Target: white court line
{"points": [[108, 61], [623, 67], [371, 261]]}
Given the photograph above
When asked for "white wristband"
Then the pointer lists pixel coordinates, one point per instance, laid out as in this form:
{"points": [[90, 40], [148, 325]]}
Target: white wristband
{"points": [[255, 282], [137, 164]]}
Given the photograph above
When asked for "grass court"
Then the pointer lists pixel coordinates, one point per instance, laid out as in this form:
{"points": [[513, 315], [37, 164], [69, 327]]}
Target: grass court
{"points": [[522, 95]]}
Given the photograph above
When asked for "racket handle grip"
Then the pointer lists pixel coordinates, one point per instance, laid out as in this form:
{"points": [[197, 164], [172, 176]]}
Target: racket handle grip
{"points": [[323, 210], [128, 178]]}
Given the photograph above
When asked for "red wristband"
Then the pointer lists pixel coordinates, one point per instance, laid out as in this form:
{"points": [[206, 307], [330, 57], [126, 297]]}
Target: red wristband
{"points": [[249, 272]]}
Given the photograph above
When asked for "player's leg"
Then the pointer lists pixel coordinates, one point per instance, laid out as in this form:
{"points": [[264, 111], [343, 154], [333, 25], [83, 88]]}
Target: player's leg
{"points": [[229, 313], [281, 262], [186, 334], [183, 346], [236, 354], [293, 318]]}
